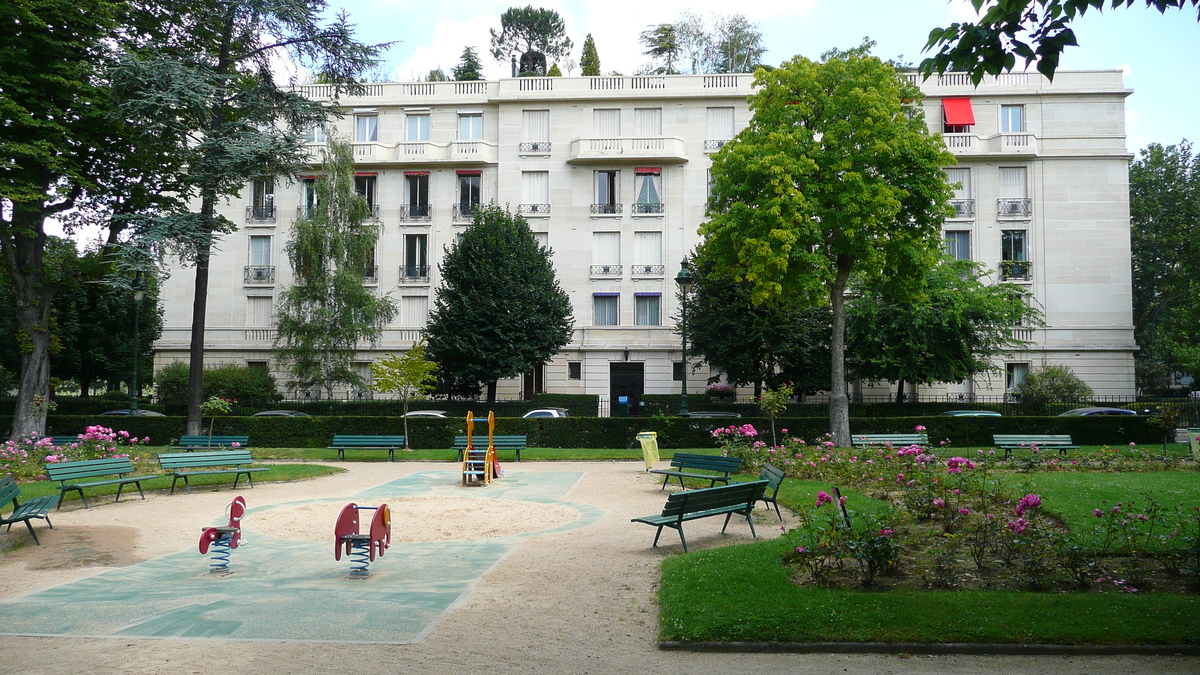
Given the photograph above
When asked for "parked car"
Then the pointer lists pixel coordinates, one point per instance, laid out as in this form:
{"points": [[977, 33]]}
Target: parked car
{"points": [[281, 413], [1089, 412], [140, 412], [971, 413], [425, 413], [714, 413], [546, 412]]}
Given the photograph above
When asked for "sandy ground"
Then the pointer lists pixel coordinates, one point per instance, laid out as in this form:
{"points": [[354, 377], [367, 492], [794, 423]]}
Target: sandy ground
{"points": [[578, 601]]}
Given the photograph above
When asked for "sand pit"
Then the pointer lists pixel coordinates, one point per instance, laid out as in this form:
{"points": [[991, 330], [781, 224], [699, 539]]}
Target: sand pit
{"points": [[419, 519]]}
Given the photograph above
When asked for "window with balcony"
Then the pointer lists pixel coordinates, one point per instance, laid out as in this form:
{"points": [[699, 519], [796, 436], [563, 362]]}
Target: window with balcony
{"points": [[606, 193], [260, 312], [364, 185], [647, 309], [605, 308], [366, 128], [414, 310], [1012, 119], [468, 194], [957, 116], [536, 131], [720, 128], [470, 126], [606, 254], [1014, 199], [262, 200], [416, 261], [958, 244], [647, 254], [418, 127], [260, 270], [416, 206], [309, 201], [535, 192], [1014, 261], [960, 182], [648, 186], [370, 272], [647, 126], [315, 134]]}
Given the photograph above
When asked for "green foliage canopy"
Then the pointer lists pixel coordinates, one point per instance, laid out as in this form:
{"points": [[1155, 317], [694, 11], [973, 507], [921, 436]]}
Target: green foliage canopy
{"points": [[528, 29], [662, 45], [469, 67], [1053, 383], [408, 374], [589, 60]]}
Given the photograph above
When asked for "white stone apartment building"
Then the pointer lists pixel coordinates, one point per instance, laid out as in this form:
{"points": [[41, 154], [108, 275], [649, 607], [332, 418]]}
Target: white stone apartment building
{"points": [[612, 175]]}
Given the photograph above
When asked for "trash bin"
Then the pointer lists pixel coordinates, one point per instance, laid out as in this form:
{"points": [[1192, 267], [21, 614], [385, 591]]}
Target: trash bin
{"points": [[649, 440], [1194, 440], [622, 407]]}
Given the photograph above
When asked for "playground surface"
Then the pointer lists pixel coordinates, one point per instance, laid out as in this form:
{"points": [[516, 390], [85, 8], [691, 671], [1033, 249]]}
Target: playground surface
{"points": [[541, 571]]}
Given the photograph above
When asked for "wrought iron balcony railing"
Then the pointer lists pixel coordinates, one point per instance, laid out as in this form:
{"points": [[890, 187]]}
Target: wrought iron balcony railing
{"points": [[533, 208], [649, 207], [606, 209], [648, 270], [1014, 207], [415, 212], [606, 270], [963, 208], [260, 214], [260, 274], [714, 145], [371, 275], [1016, 270], [414, 273], [535, 146], [464, 212]]}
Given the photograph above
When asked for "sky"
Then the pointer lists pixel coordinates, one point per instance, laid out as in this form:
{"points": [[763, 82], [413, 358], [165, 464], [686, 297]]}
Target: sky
{"points": [[1152, 49]]}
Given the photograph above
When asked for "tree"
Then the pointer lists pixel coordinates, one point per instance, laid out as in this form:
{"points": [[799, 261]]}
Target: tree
{"points": [[737, 45], [500, 311], [589, 61], [662, 45], [469, 67], [437, 75], [534, 34], [1164, 207], [206, 90], [328, 313], [554, 71], [1052, 383], [836, 175], [948, 334], [695, 42], [1035, 30], [409, 374]]}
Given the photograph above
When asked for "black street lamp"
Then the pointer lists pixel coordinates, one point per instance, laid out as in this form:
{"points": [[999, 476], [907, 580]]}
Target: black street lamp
{"points": [[684, 279], [139, 293]]}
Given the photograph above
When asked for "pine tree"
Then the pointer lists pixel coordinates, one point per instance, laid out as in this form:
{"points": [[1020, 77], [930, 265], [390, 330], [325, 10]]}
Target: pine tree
{"points": [[469, 67], [590, 61]]}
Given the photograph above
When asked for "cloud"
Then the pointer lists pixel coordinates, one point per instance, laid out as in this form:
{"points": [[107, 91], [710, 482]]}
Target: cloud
{"points": [[960, 11]]}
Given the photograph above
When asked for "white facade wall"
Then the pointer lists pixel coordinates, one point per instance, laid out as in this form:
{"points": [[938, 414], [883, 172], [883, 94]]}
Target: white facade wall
{"points": [[1072, 152]]}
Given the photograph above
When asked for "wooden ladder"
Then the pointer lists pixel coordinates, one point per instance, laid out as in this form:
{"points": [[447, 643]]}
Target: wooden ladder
{"points": [[478, 465]]}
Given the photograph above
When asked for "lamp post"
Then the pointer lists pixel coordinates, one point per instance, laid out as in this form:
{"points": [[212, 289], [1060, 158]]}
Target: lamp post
{"points": [[138, 294], [684, 279]]}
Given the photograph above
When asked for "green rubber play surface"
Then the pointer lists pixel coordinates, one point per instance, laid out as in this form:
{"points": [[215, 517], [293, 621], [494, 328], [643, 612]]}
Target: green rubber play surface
{"points": [[289, 590]]}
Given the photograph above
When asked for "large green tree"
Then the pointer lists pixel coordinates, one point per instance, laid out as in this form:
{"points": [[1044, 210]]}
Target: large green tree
{"points": [[207, 89], [737, 45], [949, 333], [469, 67], [328, 314], [662, 45], [837, 174], [589, 60], [533, 34], [1164, 210], [1032, 30], [500, 311]]}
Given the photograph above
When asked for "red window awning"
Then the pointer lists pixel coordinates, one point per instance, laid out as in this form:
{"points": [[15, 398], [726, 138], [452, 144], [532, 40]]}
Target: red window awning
{"points": [[648, 171], [416, 173], [366, 173], [958, 112], [466, 172], [308, 177]]}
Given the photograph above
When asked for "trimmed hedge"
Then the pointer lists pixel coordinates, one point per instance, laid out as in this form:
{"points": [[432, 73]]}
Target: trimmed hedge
{"points": [[614, 432]]}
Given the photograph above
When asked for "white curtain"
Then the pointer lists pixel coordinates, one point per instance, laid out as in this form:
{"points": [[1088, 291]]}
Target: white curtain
{"points": [[962, 176], [535, 187], [606, 248], [647, 121], [259, 311], [607, 122], [720, 124], [647, 248], [537, 125], [414, 310], [1012, 183], [260, 251]]}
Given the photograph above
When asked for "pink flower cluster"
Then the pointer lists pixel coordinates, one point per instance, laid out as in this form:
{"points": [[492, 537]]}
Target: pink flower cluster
{"points": [[1028, 502], [824, 497], [957, 464], [746, 430]]}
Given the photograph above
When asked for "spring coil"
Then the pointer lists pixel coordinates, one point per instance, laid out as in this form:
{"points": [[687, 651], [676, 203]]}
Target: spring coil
{"points": [[360, 558], [220, 554]]}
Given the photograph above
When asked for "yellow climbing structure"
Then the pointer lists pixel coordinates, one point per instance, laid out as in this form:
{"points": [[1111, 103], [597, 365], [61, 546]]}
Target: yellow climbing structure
{"points": [[479, 466]]}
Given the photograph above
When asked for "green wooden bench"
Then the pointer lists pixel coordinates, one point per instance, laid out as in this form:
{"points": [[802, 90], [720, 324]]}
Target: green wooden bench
{"points": [[234, 461], [514, 442], [60, 441], [189, 443], [69, 473], [711, 501], [344, 442], [920, 440], [1010, 442], [774, 478], [685, 465], [38, 507]]}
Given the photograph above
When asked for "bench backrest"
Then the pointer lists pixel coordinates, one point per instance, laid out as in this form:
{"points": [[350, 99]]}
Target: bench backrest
{"points": [[193, 460], [9, 490], [692, 501], [90, 468], [360, 441], [506, 442], [1030, 439], [61, 440], [894, 439], [773, 476], [203, 441], [687, 460]]}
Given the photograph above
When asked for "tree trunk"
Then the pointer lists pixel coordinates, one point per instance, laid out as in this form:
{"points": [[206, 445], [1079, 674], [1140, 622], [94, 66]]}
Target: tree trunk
{"points": [[195, 393], [491, 392], [900, 391], [839, 402], [24, 250]]}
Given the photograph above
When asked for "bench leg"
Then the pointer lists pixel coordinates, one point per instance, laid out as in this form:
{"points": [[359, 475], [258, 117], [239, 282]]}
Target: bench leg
{"points": [[727, 517], [139, 487], [120, 486], [391, 454], [750, 520], [682, 538], [664, 485], [33, 534], [656, 535], [341, 454]]}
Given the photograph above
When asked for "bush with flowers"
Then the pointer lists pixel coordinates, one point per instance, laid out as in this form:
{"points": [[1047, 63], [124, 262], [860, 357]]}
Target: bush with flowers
{"points": [[720, 391], [825, 541], [24, 459]]}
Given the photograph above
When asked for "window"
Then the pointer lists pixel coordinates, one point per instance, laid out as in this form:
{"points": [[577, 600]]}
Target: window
{"points": [[263, 199], [648, 185], [366, 128], [647, 253], [535, 192], [720, 128], [1012, 245], [606, 122], [958, 244], [369, 271], [416, 263], [1014, 192], [1012, 119], [418, 127], [365, 187], [677, 371], [647, 309], [468, 193], [606, 253], [1014, 376], [310, 196], [647, 126], [957, 116], [417, 184], [260, 251], [470, 127], [605, 309], [414, 310], [606, 192], [542, 239], [574, 370], [536, 126], [960, 182], [259, 311], [315, 134]]}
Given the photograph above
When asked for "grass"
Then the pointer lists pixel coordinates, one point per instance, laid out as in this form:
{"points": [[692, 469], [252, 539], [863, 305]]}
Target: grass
{"points": [[1072, 497]]}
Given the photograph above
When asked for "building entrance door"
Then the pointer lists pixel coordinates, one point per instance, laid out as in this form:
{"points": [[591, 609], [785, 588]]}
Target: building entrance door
{"points": [[626, 379]]}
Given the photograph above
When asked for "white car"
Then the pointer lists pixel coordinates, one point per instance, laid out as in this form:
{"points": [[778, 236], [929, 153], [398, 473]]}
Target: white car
{"points": [[425, 413], [547, 412]]}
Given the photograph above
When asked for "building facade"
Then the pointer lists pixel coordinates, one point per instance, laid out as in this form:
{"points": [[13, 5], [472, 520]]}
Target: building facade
{"points": [[612, 174]]}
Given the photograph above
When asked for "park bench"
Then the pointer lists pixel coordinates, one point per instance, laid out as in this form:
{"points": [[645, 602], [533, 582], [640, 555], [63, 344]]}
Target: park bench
{"points": [[774, 478], [38, 507], [711, 501], [685, 465], [214, 462], [69, 473], [60, 441], [189, 443], [1010, 442], [515, 443], [920, 440], [344, 442]]}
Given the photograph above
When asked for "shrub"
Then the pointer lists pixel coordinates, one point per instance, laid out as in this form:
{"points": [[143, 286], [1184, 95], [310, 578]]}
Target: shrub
{"points": [[246, 384], [1054, 384]]}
